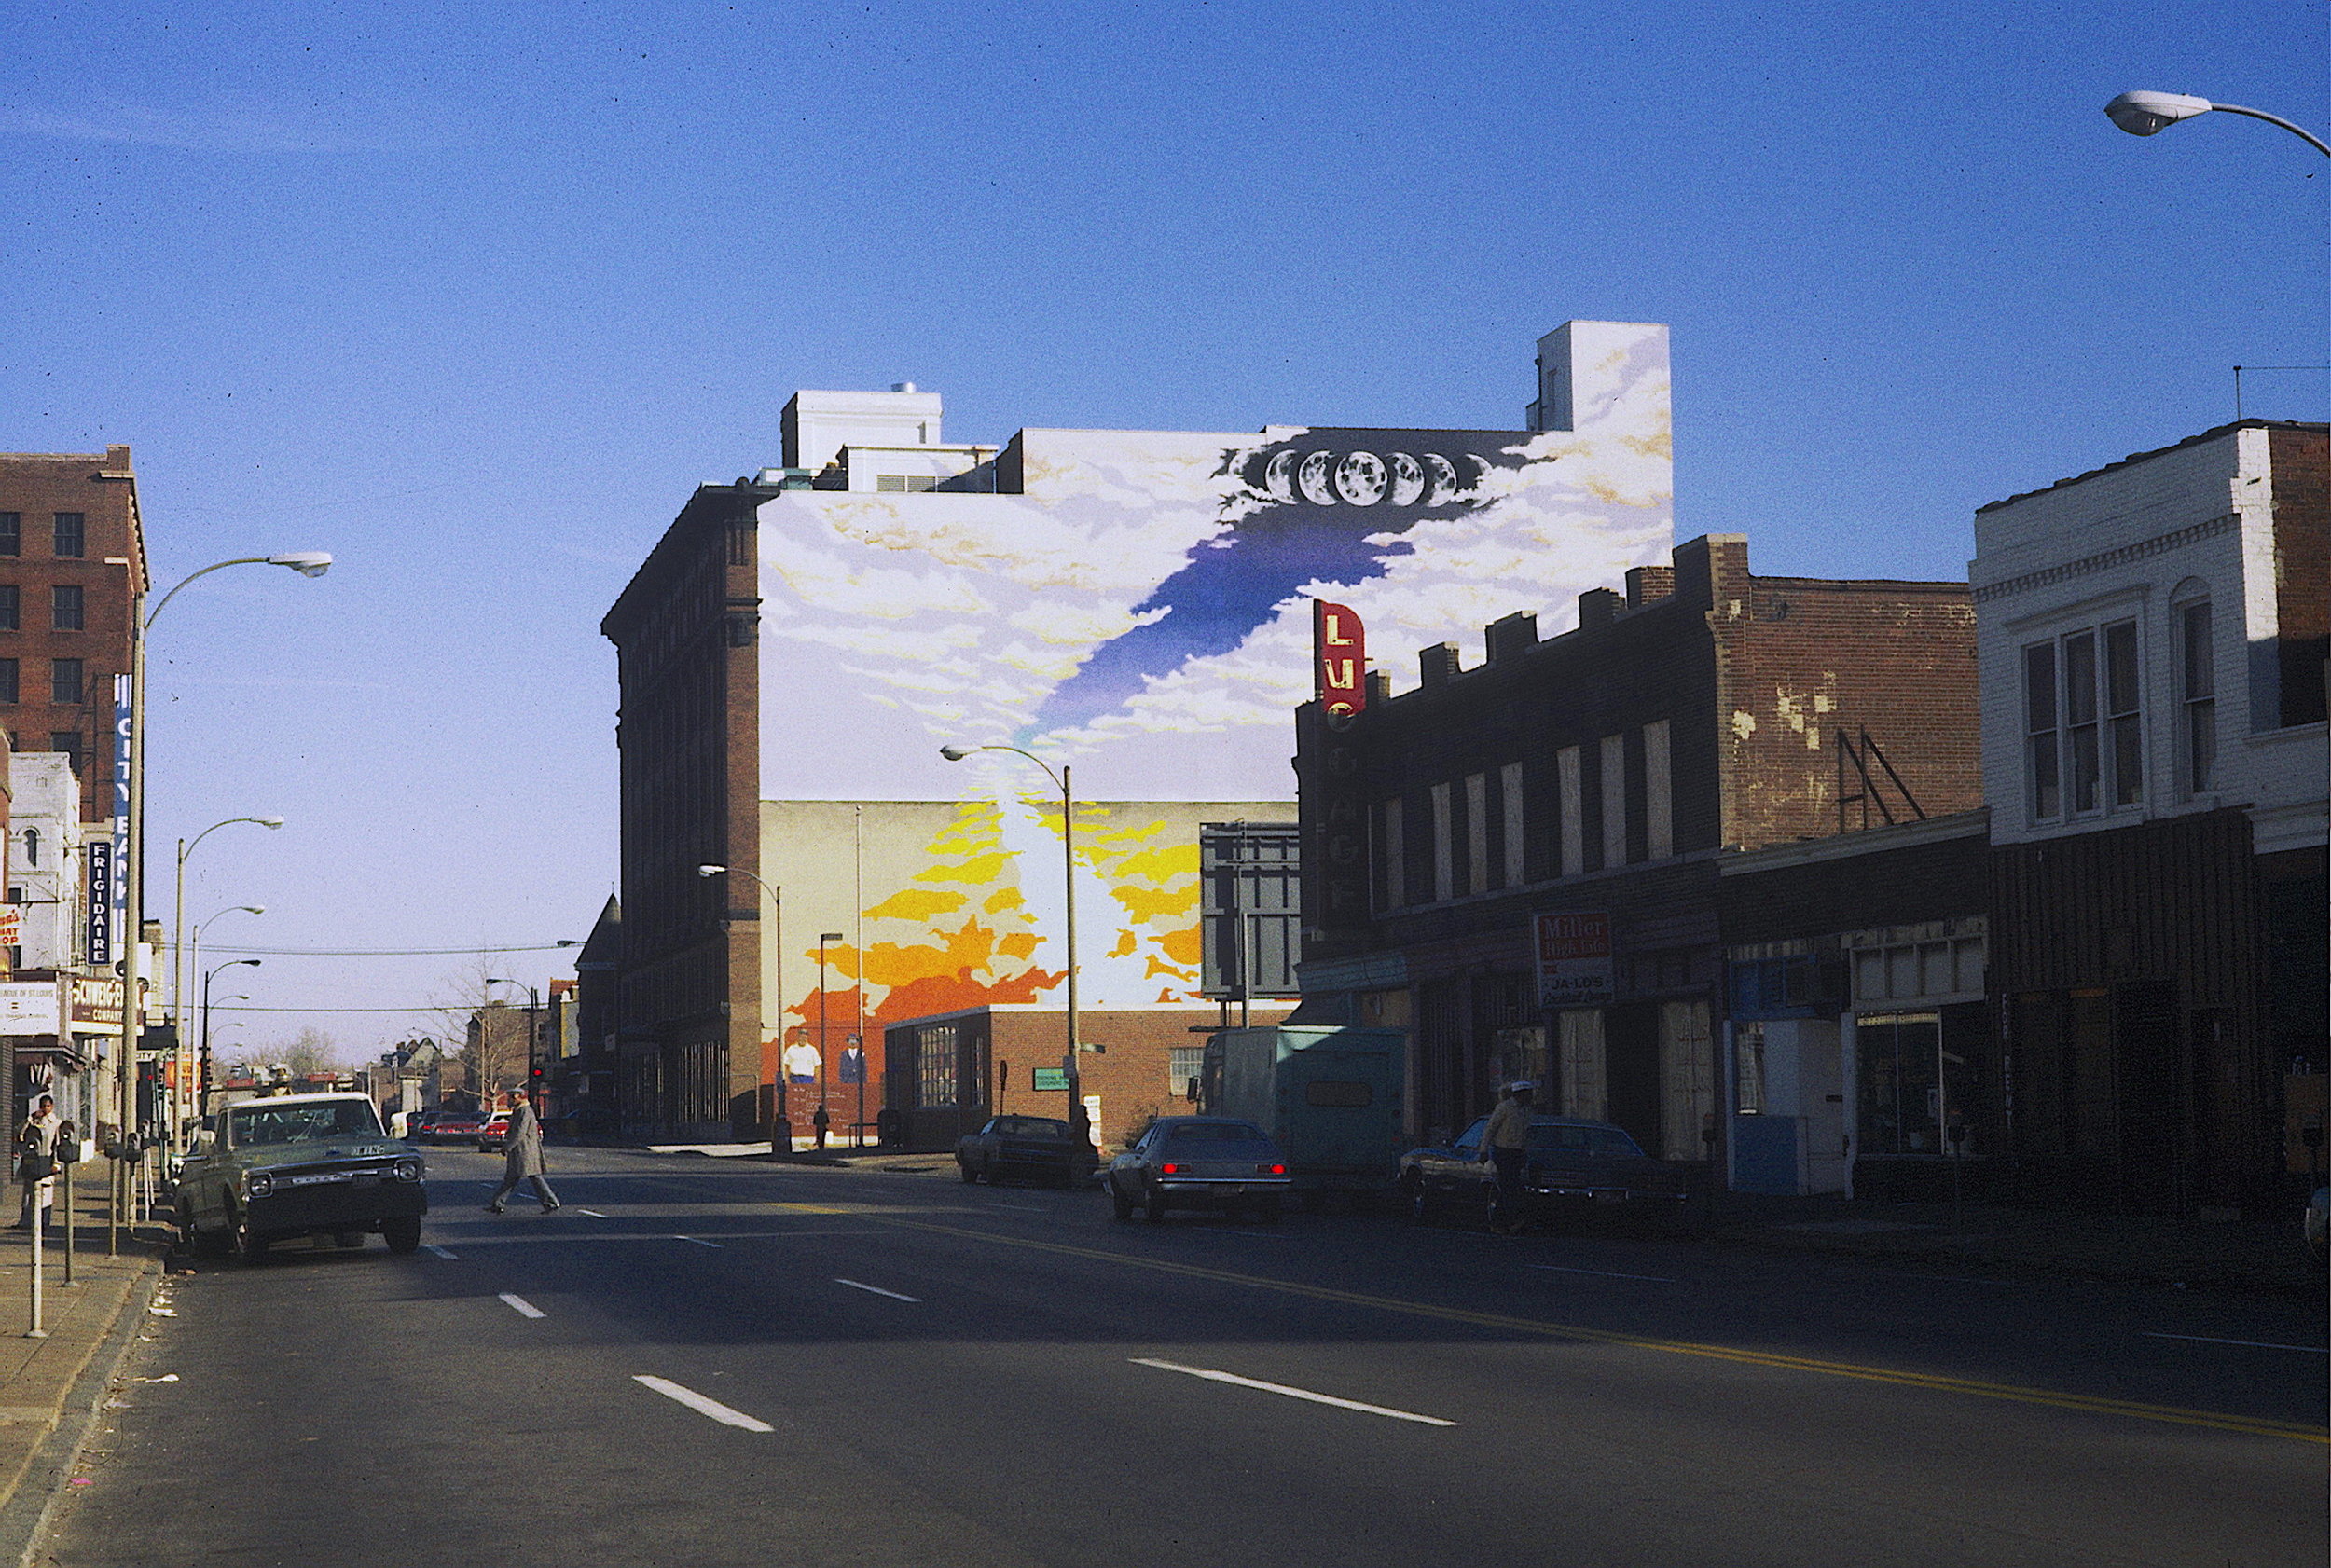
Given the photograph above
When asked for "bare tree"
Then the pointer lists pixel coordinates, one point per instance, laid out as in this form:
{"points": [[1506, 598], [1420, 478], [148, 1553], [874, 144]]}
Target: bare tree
{"points": [[492, 1032], [311, 1051]]}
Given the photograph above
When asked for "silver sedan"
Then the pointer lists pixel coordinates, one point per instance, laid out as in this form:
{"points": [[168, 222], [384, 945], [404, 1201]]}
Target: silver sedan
{"points": [[1199, 1161]]}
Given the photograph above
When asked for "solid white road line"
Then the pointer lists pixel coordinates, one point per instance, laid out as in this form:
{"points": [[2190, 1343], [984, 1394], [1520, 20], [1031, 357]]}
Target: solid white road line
{"points": [[2249, 1345], [877, 1290], [702, 1406], [1598, 1274], [593, 1213], [1290, 1393], [699, 1241], [521, 1306], [432, 1247]]}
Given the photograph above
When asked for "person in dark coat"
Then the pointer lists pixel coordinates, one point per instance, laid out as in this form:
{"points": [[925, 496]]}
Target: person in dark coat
{"points": [[522, 1157]]}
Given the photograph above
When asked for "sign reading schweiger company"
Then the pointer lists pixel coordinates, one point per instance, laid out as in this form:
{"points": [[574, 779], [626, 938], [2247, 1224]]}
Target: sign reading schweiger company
{"points": [[1574, 960]]}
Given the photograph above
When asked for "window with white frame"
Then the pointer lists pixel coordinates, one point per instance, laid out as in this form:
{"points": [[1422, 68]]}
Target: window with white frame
{"points": [[2197, 718], [2083, 722]]}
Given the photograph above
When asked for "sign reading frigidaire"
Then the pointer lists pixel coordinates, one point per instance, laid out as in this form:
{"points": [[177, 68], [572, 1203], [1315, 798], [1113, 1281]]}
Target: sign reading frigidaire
{"points": [[98, 939]]}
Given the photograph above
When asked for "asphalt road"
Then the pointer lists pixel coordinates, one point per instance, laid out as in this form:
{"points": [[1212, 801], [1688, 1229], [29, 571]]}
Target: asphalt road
{"points": [[711, 1362]]}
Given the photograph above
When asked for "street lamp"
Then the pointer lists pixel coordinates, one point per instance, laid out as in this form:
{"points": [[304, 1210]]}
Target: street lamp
{"points": [[179, 966], [1078, 1126], [203, 1089], [823, 937], [132, 815], [780, 1130], [194, 949], [2148, 114], [533, 1004]]}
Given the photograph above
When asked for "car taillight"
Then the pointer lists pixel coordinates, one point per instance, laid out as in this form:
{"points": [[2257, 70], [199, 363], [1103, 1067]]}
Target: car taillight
{"points": [[1271, 1170], [1169, 1168]]}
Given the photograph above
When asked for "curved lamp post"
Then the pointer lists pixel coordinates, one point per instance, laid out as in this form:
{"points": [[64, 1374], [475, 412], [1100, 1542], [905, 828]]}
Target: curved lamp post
{"points": [[204, 1087], [2148, 114], [180, 969], [308, 563], [1078, 1126], [781, 1130]]}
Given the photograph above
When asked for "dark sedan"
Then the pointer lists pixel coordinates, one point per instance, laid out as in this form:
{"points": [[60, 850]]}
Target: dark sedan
{"points": [[1037, 1147], [1575, 1166], [1199, 1162]]}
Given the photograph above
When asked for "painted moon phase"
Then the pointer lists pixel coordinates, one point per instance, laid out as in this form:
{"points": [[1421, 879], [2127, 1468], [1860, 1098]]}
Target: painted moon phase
{"points": [[1275, 477], [1408, 478], [1443, 488], [1311, 478], [1360, 479]]}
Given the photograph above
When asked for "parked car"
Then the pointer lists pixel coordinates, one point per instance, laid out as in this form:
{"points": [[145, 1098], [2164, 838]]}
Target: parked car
{"points": [[457, 1126], [495, 1134], [1040, 1147], [1575, 1167], [1199, 1161], [263, 1171]]}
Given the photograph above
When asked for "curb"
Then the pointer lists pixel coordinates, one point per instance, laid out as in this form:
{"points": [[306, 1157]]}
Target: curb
{"points": [[26, 1510]]}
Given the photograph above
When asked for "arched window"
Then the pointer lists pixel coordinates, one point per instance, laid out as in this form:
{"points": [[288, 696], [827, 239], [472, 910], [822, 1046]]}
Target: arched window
{"points": [[2197, 687], [32, 846]]}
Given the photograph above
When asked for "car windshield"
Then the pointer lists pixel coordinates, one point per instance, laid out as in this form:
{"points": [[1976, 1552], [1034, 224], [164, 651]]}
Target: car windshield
{"points": [[1031, 1127], [1607, 1143], [262, 1124]]}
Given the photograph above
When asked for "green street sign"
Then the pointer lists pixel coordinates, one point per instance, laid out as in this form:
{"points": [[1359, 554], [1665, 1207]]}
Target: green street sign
{"points": [[1052, 1077]]}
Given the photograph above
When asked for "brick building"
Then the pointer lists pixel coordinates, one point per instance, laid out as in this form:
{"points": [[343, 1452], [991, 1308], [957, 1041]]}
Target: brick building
{"points": [[72, 564], [1600, 774], [2153, 636], [950, 1072]]}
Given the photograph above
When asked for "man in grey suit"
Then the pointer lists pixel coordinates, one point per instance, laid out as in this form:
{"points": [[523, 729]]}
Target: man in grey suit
{"points": [[522, 1157]]}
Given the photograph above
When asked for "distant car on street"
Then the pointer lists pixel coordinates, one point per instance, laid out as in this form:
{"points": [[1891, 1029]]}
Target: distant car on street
{"points": [[457, 1126], [495, 1134], [1199, 1162], [1575, 1166], [264, 1171], [1037, 1146]]}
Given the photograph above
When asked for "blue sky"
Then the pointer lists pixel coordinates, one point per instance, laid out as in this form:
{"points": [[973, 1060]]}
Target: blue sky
{"points": [[473, 296]]}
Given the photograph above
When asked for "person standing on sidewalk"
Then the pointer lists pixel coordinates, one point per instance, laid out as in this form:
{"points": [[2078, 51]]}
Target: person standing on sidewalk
{"points": [[36, 1161], [522, 1157], [1506, 1144]]}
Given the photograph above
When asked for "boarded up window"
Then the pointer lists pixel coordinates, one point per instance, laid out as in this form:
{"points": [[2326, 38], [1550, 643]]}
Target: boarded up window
{"points": [[1510, 797], [1443, 867], [1614, 800], [1687, 1078], [1585, 1089], [1573, 811], [1659, 807], [1477, 832]]}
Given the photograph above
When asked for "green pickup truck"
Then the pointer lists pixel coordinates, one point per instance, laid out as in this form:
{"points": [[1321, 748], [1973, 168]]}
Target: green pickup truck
{"points": [[320, 1165]]}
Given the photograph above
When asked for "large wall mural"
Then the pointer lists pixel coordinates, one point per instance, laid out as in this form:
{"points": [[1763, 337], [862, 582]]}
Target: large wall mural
{"points": [[1137, 604]]}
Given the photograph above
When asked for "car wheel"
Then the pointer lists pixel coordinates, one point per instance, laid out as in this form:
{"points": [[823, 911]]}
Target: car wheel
{"points": [[1121, 1205], [1154, 1208], [970, 1175], [403, 1235], [1415, 1203]]}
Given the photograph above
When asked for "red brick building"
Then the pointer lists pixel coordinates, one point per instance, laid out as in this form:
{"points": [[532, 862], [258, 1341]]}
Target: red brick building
{"points": [[1600, 773], [72, 564]]}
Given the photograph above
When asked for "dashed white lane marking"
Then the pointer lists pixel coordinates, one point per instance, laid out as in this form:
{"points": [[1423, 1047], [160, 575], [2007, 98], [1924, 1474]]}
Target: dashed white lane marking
{"points": [[699, 1241], [1291, 1392], [593, 1213], [702, 1406], [877, 1290], [1598, 1274], [432, 1247], [2250, 1344], [521, 1306]]}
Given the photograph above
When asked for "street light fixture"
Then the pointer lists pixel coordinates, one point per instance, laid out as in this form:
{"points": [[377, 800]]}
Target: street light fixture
{"points": [[781, 1129], [180, 969], [203, 1087], [308, 563], [2149, 114], [194, 959], [1078, 1126]]}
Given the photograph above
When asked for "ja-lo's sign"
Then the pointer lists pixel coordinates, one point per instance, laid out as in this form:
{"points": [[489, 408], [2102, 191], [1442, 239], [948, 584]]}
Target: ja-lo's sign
{"points": [[1574, 965]]}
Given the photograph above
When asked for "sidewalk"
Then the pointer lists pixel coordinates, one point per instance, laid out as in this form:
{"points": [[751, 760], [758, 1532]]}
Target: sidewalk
{"points": [[2145, 1249], [52, 1390]]}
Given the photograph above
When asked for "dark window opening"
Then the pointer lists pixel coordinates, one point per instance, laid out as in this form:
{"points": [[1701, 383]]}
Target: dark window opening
{"points": [[72, 535]]}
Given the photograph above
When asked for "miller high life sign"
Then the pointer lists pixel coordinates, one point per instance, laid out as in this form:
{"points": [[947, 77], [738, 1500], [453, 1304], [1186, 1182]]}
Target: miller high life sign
{"points": [[1339, 647]]}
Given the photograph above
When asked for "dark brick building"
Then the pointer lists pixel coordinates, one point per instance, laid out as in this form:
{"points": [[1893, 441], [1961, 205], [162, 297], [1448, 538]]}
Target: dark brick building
{"points": [[72, 563], [1600, 774], [689, 1042]]}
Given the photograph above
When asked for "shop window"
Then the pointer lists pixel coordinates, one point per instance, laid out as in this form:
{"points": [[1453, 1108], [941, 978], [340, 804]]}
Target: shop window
{"points": [[935, 1048], [1748, 1069], [1687, 1080], [1184, 1063], [1580, 1066]]}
